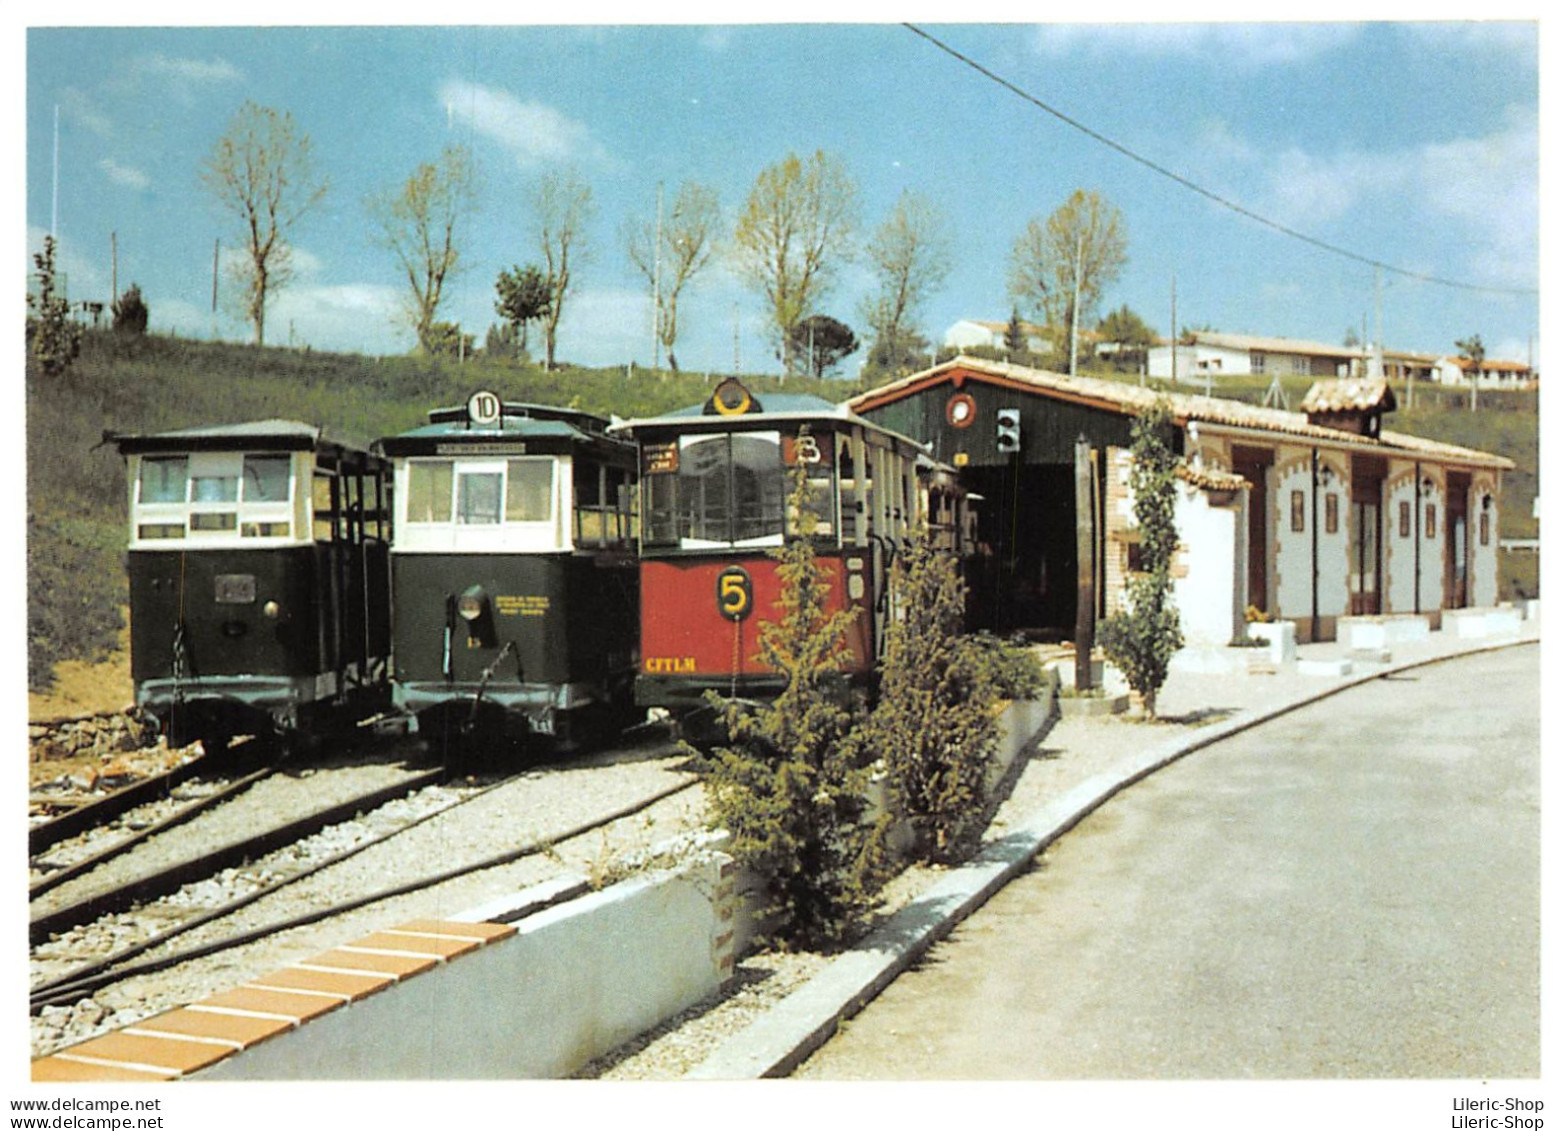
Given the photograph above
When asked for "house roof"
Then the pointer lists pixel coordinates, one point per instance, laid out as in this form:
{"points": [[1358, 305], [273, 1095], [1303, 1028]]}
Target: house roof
{"points": [[1349, 394], [1503, 366], [1129, 399], [1250, 342]]}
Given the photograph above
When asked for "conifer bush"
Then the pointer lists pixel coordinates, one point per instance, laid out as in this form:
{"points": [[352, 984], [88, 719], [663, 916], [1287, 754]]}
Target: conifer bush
{"points": [[790, 786], [1142, 637], [933, 731]]}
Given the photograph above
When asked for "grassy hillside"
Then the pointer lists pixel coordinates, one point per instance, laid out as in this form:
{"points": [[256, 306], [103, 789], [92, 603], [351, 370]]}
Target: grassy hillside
{"points": [[75, 483], [76, 490]]}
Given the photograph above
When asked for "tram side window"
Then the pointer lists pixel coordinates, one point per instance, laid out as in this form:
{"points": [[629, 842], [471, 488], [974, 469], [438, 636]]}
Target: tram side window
{"points": [[430, 492], [324, 507], [164, 479], [266, 479], [529, 490]]}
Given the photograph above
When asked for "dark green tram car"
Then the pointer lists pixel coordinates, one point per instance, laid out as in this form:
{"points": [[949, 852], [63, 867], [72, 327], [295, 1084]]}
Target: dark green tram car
{"points": [[258, 574], [515, 574]]}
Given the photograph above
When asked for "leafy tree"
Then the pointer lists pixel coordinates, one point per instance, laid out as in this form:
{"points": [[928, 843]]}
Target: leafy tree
{"points": [[820, 341], [1062, 264], [1132, 334], [130, 313], [671, 254], [446, 339], [789, 787], [797, 221], [910, 254], [908, 352], [1473, 350], [418, 223], [1142, 637], [523, 296], [934, 728], [261, 171], [564, 204], [53, 337]]}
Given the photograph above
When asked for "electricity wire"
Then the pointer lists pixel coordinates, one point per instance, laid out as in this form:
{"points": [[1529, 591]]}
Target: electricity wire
{"points": [[1209, 194]]}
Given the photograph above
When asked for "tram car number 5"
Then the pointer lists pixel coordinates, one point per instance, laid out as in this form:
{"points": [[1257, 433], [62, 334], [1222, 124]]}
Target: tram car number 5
{"points": [[735, 597]]}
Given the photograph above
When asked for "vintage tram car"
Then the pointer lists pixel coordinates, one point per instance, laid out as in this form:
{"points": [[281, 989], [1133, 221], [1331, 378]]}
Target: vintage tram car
{"points": [[258, 578], [515, 579], [715, 486]]}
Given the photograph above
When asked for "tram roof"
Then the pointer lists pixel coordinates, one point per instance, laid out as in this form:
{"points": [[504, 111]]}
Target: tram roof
{"points": [[247, 436], [555, 428], [774, 409]]}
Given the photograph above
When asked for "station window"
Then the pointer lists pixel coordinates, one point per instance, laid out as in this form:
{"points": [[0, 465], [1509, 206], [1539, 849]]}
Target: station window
{"points": [[1297, 512], [266, 479], [1405, 519], [480, 498]]}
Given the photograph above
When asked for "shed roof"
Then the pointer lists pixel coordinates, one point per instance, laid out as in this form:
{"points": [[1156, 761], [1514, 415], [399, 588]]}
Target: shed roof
{"points": [[1251, 342], [1349, 394], [1128, 399]]}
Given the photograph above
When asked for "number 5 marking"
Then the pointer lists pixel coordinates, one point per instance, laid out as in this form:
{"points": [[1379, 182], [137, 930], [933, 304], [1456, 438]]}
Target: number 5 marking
{"points": [[734, 593]]}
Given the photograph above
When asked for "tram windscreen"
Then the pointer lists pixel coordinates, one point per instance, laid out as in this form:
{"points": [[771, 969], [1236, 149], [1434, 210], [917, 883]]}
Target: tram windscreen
{"points": [[727, 489]]}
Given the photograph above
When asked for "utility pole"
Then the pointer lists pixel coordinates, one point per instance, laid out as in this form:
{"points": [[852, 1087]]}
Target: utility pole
{"points": [[1174, 343], [113, 239], [658, 240], [736, 339], [1073, 329], [54, 215], [215, 282]]}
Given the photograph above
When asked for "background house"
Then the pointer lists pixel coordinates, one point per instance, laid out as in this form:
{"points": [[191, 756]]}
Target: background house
{"points": [[969, 333], [1208, 354], [1491, 374]]}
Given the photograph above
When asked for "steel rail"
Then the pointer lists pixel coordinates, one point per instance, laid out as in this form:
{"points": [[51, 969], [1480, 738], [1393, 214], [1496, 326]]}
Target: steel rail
{"points": [[42, 837], [187, 813], [88, 980], [169, 880]]}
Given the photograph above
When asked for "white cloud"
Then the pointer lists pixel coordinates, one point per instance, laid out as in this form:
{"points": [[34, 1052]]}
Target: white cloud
{"points": [[77, 108], [532, 132], [125, 175], [197, 71], [347, 316], [1490, 186], [1241, 46]]}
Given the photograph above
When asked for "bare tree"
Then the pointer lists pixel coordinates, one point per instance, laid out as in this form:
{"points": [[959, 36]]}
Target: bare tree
{"points": [[798, 220], [418, 222], [564, 204], [1473, 352], [910, 253], [261, 171], [1061, 265], [670, 250]]}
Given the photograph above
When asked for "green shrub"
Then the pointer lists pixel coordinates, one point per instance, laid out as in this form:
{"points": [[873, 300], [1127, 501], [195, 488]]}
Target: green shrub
{"points": [[789, 786], [1013, 670], [934, 729]]}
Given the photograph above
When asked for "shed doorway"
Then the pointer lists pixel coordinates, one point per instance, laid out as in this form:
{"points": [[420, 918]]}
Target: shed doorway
{"points": [[1024, 576]]}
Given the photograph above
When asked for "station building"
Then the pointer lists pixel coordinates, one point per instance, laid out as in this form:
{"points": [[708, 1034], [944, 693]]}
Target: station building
{"points": [[1303, 516]]}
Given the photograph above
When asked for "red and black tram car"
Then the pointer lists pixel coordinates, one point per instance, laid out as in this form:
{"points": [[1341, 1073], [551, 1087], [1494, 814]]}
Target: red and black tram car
{"points": [[715, 486], [258, 577], [515, 580]]}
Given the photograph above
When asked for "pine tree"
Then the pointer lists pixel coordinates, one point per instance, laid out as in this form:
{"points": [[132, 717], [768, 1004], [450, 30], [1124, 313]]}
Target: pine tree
{"points": [[789, 786]]}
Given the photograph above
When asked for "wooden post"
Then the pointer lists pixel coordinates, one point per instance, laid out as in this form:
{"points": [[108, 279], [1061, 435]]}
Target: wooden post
{"points": [[1084, 623]]}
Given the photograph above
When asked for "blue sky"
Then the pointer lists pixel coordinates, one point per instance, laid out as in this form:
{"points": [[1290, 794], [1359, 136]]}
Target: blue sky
{"points": [[1412, 144]]}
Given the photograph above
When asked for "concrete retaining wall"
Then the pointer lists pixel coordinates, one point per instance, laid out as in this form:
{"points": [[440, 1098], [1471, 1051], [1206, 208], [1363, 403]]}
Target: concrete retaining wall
{"points": [[574, 982]]}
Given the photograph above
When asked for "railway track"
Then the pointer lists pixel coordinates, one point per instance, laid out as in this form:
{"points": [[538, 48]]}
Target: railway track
{"points": [[94, 814], [140, 964]]}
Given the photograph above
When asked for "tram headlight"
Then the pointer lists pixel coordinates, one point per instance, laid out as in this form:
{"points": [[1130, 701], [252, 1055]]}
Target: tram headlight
{"points": [[272, 610], [472, 603]]}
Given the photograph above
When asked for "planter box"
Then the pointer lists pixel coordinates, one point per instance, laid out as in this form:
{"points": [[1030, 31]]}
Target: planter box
{"points": [[1380, 633], [1080, 707], [1279, 635], [1474, 624]]}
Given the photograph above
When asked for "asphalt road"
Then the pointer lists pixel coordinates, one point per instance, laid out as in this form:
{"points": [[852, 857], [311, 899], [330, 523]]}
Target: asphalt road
{"points": [[1350, 891]]}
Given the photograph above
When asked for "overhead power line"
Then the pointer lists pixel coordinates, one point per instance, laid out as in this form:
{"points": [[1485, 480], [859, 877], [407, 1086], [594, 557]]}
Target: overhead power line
{"points": [[1209, 194]]}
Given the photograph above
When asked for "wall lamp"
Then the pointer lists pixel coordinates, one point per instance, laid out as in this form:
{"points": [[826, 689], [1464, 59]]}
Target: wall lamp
{"points": [[1327, 475]]}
